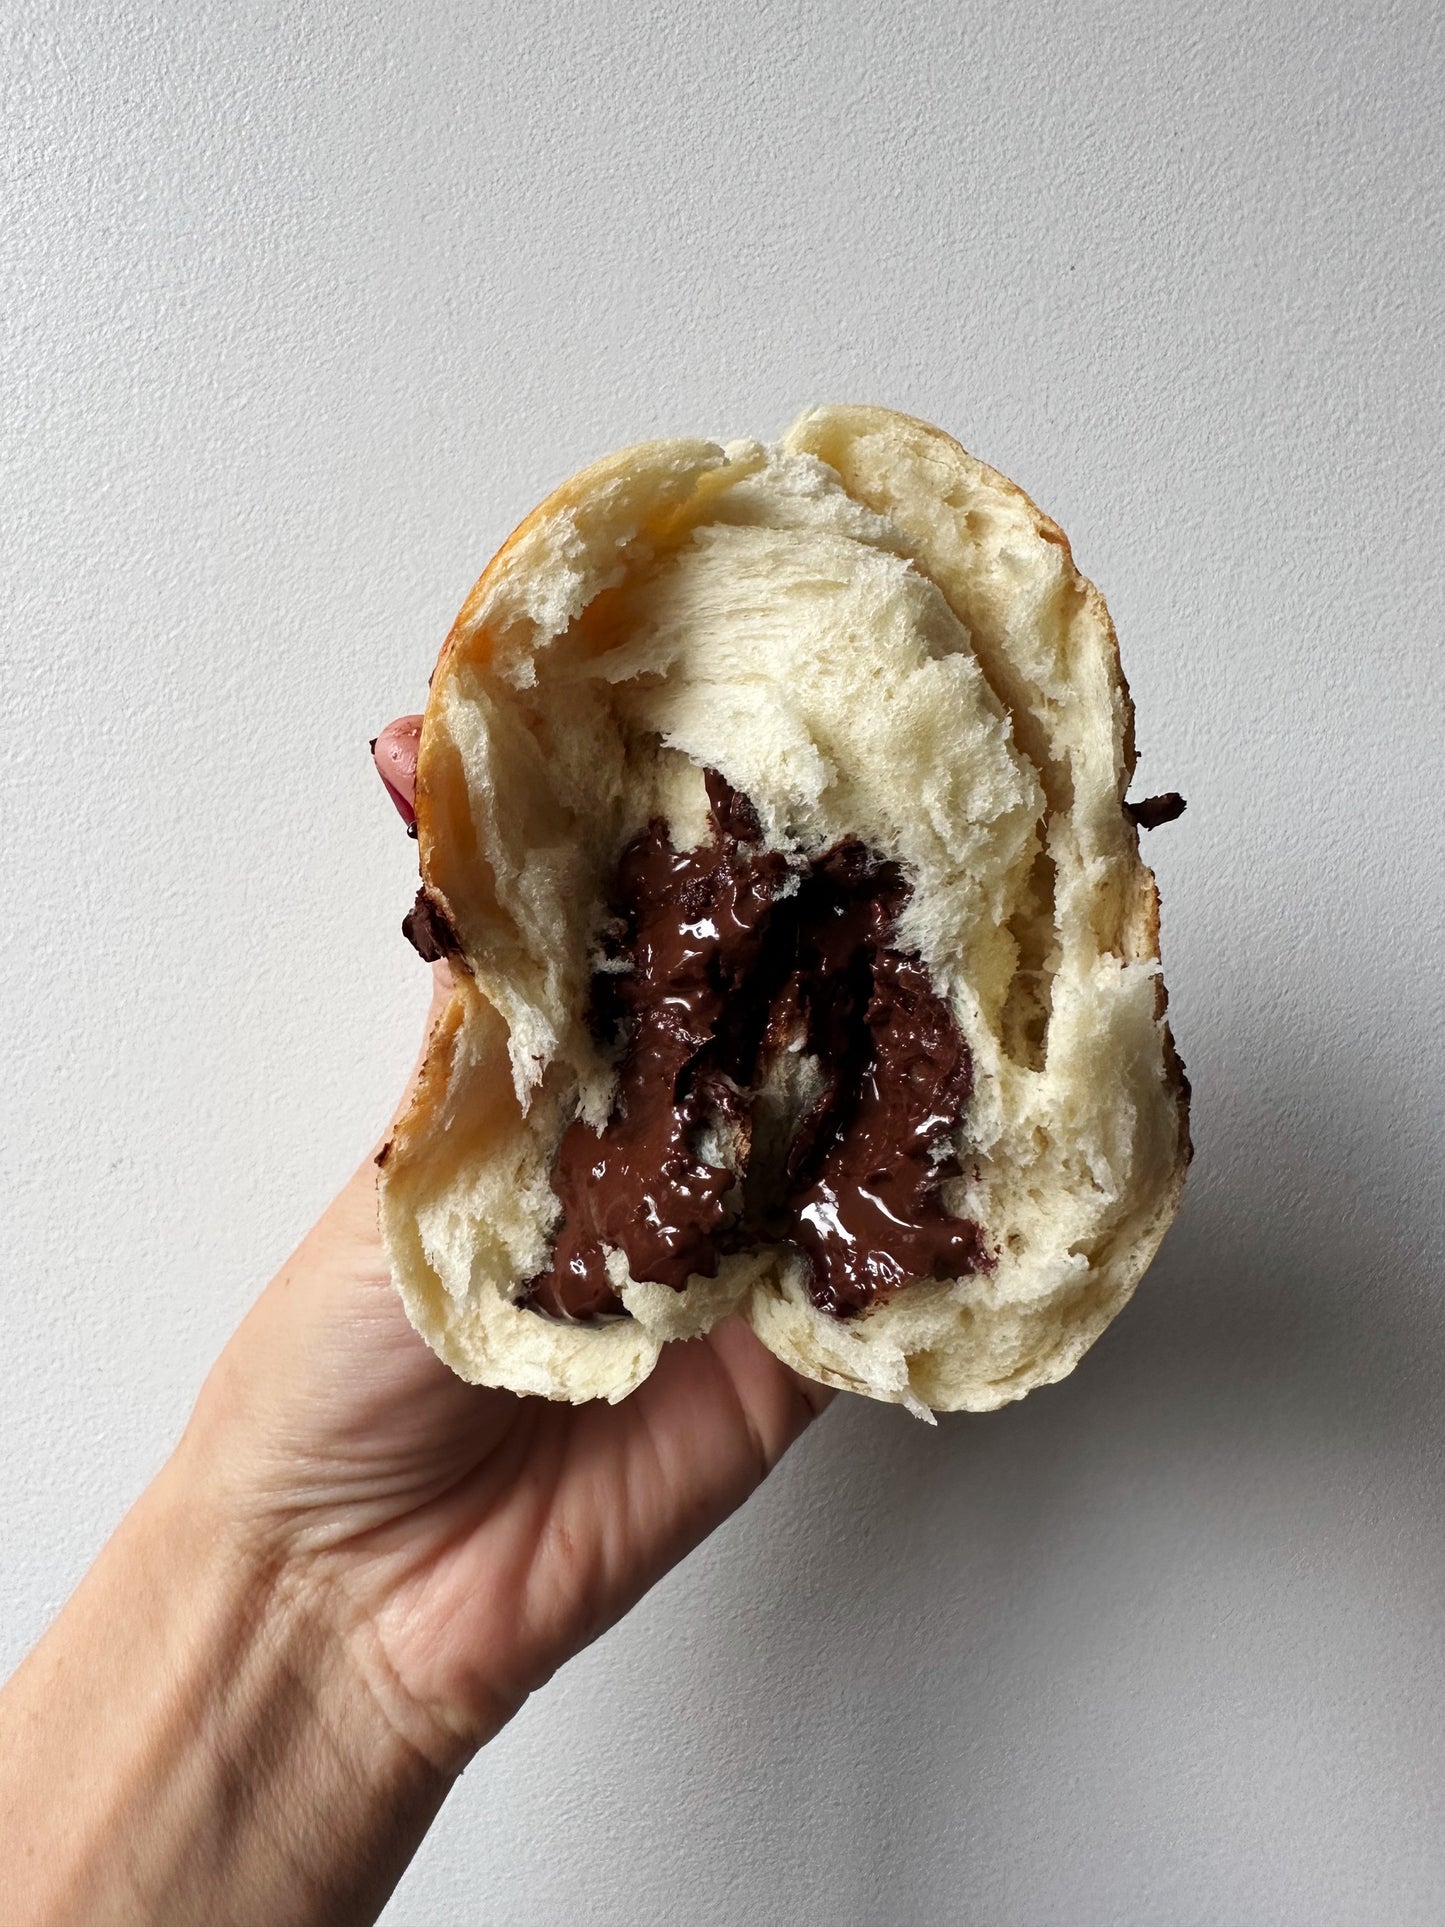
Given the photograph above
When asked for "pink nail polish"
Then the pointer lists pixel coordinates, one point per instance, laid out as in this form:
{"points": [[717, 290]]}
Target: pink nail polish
{"points": [[403, 809]]}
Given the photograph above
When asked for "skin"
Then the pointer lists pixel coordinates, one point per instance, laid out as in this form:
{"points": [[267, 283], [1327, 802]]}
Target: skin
{"points": [[349, 1575]]}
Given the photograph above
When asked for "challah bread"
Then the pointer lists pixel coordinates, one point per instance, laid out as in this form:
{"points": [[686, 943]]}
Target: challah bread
{"points": [[847, 691]]}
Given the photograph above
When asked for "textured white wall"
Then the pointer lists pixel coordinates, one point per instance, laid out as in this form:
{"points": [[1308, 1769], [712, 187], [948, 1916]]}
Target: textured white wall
{"points": [[305, 306]]}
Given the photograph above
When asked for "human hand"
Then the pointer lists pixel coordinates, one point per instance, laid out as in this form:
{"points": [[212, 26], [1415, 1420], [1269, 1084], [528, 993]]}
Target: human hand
{"points": [[466, 1541], [352, 1570]]}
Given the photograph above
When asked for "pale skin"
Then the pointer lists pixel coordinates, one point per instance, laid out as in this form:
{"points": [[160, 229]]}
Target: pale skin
{"points": [[348, 1576]]}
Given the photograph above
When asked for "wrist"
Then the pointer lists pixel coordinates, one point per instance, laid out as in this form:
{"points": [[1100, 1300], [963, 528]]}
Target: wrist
{"points": [[199, 1742], [284, 1605], [315, 1776]]}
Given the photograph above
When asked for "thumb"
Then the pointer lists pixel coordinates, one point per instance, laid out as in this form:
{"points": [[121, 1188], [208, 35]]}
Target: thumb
{"points": [[394, 752]]}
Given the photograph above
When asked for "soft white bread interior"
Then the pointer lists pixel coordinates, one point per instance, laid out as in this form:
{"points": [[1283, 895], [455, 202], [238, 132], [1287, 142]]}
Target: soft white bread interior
{"points": [[870, 634]]}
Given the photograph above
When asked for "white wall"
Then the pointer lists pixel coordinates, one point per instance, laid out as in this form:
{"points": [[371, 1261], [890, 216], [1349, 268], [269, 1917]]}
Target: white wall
{"points": [[308, 305]]}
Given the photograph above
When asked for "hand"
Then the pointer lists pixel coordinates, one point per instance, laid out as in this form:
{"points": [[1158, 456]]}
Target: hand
{"points": [[351, 1571], [472, 1540]]}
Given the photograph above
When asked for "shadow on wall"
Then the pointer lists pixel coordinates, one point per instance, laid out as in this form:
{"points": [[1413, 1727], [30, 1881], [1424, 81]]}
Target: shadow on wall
{"points": [[1294, 1307], [977, 1592]]}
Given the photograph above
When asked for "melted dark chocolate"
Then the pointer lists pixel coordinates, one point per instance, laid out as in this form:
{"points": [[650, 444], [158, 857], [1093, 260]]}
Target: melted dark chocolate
{"points": [[695, 924], [724, 957], [428, 929], [1150, 811], [871, 1220]]}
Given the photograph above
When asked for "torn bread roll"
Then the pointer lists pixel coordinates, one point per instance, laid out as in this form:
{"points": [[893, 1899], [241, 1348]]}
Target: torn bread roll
{"points": [[771, 808]]}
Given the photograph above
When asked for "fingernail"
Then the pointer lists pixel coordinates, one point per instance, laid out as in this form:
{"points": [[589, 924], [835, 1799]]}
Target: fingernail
{"points": [[403, 809], [394, 754]]}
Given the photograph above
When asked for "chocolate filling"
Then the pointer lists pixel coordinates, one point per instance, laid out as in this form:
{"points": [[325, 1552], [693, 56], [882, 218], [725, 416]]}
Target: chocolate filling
{"points": [[428, 929], [720, 961], [1152, 811]]}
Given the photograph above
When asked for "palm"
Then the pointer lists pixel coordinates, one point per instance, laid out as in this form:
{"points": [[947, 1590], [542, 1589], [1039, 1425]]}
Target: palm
{"points": [[486, 1537], [573, 1512]]}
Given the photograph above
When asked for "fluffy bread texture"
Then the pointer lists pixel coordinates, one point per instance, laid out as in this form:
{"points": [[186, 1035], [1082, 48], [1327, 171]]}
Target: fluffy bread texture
{"points": [[870, 633]]}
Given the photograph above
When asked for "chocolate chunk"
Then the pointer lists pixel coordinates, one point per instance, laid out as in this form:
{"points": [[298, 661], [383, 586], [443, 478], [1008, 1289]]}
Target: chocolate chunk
{"points": [[695, 923], [734, 818], [428, 929], [867, 1161], [732, 956], [871, 1220], [1154, 810]]}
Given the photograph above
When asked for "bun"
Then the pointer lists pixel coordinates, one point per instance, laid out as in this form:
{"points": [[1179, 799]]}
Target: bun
{"points": [[877, 641]]}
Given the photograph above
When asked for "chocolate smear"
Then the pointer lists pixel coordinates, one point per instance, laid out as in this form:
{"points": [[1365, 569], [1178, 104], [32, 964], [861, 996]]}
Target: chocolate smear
{"points": [[730, 956]]}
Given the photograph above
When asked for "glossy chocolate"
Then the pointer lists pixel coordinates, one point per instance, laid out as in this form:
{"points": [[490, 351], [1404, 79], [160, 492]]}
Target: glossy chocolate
{"points": [[723, 958], [428, 929], [695, 922], [864, 1168]]}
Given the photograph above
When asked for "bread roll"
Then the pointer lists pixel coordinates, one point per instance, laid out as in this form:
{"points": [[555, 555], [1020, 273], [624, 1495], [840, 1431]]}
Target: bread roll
{"points": [[886, 649]]}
